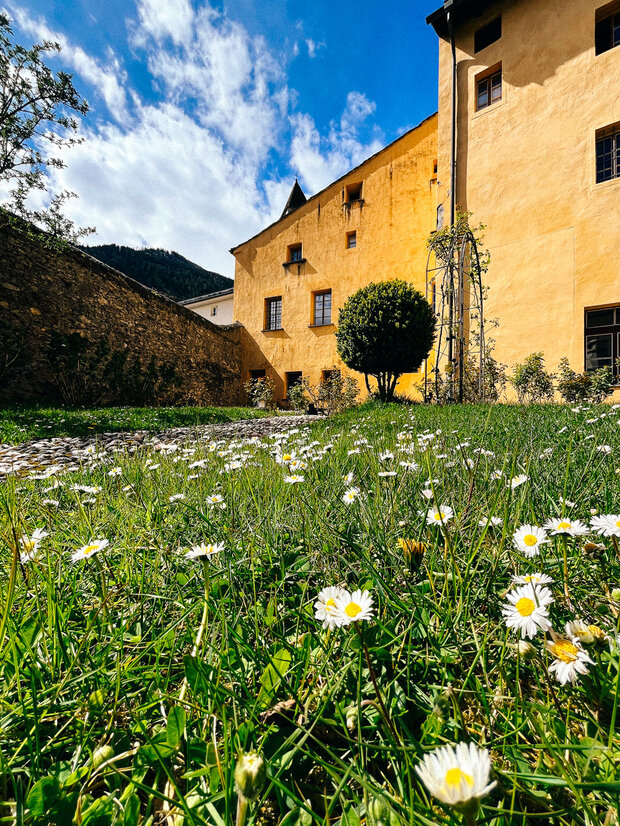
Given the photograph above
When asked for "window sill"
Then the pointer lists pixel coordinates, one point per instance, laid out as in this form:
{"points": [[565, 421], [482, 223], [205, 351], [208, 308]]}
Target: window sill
{"points": [[597, 187], [273, 330], [290, 263], [359, 201], [331, 324], [492, 107]]}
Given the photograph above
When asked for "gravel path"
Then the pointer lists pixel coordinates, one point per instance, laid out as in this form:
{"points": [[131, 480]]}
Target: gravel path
{"points": [[68, 452]]}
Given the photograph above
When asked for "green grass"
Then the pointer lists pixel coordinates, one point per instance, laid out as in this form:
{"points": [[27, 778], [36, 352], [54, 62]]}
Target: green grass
{"points": [[131, 681], [20, 424]]}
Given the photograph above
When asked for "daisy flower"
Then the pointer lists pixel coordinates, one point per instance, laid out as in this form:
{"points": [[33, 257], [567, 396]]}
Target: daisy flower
{"points": [[535, 579], [457, 774], [529, 538], [586, 634], [387, 473], [570, 659], [216, 500], [606, 524], [427, 493], [294, 479], [86, 551], [176, 497], [353, 607], [518, 480], [567, 526], [440, 515], [493, 522], [350, 495], [206, 549], [325, 608], [527, 610], [30, 543]]}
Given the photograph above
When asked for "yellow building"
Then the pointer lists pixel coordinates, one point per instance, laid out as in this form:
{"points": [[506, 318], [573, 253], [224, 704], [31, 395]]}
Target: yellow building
{"points": [[537, 159], [292, 278]]}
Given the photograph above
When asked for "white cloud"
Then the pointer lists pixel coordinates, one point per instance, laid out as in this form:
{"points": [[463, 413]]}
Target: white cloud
{"points": [[319, 160], [108, 81], [313, 47], [187, 170]]}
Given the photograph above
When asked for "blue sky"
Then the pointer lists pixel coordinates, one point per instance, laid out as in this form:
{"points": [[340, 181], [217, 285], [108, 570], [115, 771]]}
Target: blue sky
{"points": [[203, 112]]}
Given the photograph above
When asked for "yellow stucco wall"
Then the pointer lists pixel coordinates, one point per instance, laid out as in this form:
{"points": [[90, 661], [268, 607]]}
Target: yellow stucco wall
{"points": [[526, 169], [392, 224]]}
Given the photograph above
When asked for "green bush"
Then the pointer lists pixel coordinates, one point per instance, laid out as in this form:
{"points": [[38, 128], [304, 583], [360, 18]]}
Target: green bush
{"points": [[384, 330], [584, 387], [531, 380]]}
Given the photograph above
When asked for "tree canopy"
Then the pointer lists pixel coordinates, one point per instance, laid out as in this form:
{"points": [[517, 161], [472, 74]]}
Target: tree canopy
{"points": [[384, 330], [37, 112]]}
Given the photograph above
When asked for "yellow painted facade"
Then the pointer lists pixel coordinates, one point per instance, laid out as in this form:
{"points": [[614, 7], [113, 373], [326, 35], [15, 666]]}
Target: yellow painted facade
{"points": [[526, 167], [391, 222]]}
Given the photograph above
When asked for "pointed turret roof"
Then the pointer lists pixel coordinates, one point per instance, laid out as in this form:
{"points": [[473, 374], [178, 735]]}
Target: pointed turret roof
{"points": [[295, 199]]}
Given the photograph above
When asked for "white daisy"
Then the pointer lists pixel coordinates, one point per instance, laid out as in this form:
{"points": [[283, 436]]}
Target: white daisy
{"points": [[387, 473], [571, 527], [456, 774], [585, 634], [518, 480], [529, 538], [570, 659], [427, 493], [350, 495], [527, 609], [216, 500], [607, 524], [206, 549], [534, 579], [176, 497], [30, 543], [294, 479], [86, 551], [353, 607], [491, 521], [325, 608], [440, 515]]}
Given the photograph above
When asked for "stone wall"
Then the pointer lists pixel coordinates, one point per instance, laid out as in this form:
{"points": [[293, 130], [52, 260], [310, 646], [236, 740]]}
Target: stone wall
{"points": [[44, 291]]}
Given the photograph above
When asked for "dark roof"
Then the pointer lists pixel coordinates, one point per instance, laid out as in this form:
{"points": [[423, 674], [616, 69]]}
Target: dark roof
{"points": [[461, 11], [295, 199], [218, 294], [341, 178]]}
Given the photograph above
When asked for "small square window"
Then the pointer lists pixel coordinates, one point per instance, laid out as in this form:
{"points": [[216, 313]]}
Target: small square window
{"points": [[608, 153], [258, 375], [273, 313], [607, 28], [488, 34], [322, 308], [488, 87], [292, 380], [294, 253], [351, 240], [353, 192]]}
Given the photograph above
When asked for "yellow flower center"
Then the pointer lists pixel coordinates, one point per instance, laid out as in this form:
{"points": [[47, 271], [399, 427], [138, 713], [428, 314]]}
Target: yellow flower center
{"points": [[353, 609], [618, 523], [454, 777], [525, 606], [28, 544], [564, 526], [597, 632], [287, 457], [439, 516], [91, 549], [530, 578], [529, 539], [330, 604], [565, 651]]}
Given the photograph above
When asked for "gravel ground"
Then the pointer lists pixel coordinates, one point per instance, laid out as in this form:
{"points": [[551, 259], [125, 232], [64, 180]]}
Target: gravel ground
{"points": [[69, 452]]}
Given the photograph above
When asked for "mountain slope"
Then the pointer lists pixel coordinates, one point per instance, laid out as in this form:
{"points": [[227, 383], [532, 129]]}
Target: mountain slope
{"points": [[167, 272]]}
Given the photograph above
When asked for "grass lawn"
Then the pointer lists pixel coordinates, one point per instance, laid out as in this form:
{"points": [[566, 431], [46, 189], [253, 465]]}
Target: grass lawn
{"points": [[170, 618], [20, 424]]}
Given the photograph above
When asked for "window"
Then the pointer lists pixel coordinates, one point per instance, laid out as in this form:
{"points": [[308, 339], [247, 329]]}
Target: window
{"points": [[292, 380], [488, 87], [214, 310], [488, 34], [273, 313], [608, 153], [258, 375], [294, 254], [602, 338], [607, 28], [322, 308], [352, 192], [351, 240]]}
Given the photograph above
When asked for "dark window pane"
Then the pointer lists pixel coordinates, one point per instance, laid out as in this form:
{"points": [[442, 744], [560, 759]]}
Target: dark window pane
{"points": [[603, 35], [599, 318], [598, 351], [615, 36], [483, 94], [488, 34], [496, 88]]}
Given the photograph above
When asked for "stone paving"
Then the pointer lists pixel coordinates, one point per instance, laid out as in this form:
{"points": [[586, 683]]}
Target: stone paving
{"points": [[46, 456]]}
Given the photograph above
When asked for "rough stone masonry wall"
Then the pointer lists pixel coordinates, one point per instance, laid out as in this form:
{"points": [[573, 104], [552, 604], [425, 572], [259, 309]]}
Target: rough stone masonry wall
{"points": [[44, 290]]}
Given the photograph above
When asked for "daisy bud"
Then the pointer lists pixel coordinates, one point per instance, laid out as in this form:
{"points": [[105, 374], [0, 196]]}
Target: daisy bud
{"points": [[100, 756], [526, 649], [351, 716], [379, 811], [412, 552], [615, 594], [249, 775]]}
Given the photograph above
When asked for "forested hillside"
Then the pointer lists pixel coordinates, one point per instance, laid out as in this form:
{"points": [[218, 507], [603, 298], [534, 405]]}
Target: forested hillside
{"points": [[167, 272]]}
